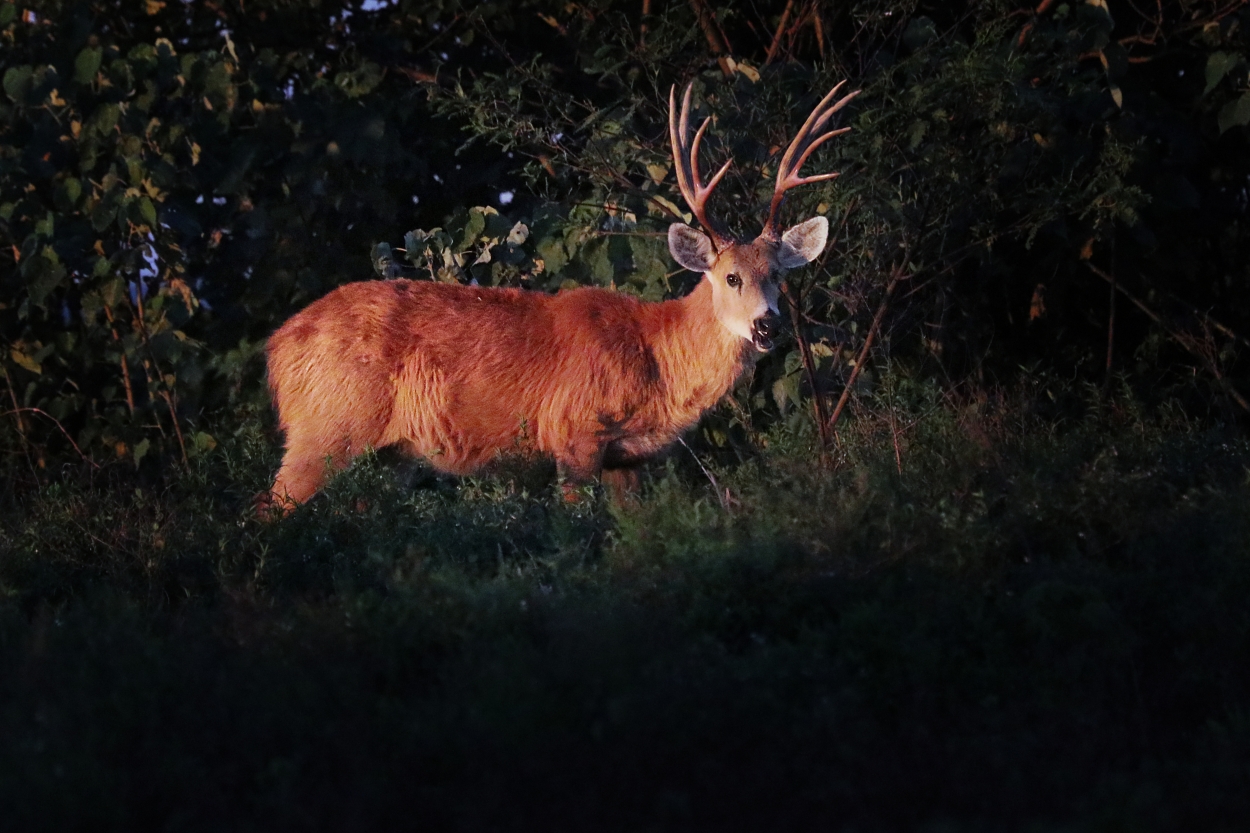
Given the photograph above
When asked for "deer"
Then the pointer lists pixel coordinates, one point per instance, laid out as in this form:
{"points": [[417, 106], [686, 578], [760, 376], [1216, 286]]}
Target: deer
{"points": [[599, 380]]}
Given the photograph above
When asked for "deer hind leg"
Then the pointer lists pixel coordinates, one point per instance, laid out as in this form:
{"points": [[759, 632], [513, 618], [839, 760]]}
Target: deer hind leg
{"points": [[299, 478], [579, 464], [623, 483], [307, 465]]}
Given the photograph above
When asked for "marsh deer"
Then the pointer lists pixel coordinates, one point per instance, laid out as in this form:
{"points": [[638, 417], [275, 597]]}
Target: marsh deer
{"points": [[597, 379]]}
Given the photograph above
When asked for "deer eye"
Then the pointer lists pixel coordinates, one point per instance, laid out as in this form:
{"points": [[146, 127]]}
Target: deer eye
{"points": [[734, 281]]}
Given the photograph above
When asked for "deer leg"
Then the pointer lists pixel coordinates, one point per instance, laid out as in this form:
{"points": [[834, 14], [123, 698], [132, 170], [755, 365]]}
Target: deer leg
{"points": [[579, 465], [299, 478], [622, 483]]}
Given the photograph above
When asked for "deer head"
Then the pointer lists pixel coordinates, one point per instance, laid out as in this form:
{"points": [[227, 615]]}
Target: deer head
{"points": [[745, 276]]}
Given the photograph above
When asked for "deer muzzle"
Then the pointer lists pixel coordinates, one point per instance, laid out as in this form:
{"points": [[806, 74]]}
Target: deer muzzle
{"points": [[763, 331]]}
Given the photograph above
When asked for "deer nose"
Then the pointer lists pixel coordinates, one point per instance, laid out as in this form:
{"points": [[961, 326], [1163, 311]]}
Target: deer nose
{"points": [[763, 331]]}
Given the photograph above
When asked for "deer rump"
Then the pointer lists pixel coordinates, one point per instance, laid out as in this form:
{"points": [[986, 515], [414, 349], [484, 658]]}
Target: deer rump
{"points": [[459, 375]]}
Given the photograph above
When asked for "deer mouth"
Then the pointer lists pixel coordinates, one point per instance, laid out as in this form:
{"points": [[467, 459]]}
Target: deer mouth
{"points": [[763, 332]]}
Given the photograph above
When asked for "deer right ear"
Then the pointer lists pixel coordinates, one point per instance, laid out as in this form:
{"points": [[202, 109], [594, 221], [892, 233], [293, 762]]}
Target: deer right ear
{"points": [[691, 248], [803, 243]]}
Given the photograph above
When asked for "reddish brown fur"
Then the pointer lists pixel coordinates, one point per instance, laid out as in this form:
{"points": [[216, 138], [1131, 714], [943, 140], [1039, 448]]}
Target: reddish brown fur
{"points": [[596, 379], [460, 374]]}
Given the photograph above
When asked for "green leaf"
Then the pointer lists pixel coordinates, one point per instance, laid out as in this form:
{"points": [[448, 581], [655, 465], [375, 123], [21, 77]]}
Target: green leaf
{"points": [[203, 442], [113, 291], [17, 82], [360, 81], [1235, 113], [1219, 64], [920, 31], [43, 274], [916, 135], [148, 211], [28, 362], [141, 449], [106, 118], [72, 190], [383, 261], [87, 64], [474, 226]]}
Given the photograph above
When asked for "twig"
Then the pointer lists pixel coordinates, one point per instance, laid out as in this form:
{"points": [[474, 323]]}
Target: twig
{"points": [[19, 411], [167, 394], [1110, 326], [715, 38], [642, 27], [724, 501], [21, 424], [898, 456], [863, 353], [130, 392], [1210, 321], [809, 368], [819, 29], [1028, 27], [1184, 341], [781, 29]]}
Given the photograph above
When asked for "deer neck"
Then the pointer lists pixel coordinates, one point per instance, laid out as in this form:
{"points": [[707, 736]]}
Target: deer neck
{"points": [[699, 359]]}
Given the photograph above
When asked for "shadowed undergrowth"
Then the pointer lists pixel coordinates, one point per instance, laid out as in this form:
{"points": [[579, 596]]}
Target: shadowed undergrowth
{"points": [[978, 618]]}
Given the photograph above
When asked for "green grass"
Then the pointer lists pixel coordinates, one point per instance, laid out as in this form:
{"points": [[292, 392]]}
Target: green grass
{"points": [[981, 617]]}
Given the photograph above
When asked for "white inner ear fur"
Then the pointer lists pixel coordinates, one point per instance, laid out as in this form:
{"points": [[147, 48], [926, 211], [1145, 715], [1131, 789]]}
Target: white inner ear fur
{"points": [[692, 249], [800, 245]]}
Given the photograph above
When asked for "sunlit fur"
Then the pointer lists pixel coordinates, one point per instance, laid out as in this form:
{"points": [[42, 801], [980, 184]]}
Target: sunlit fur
{"points": [[595, 379], [460, 374]]}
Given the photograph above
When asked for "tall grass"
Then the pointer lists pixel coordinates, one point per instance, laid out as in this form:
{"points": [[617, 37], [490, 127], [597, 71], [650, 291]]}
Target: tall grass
{"points": [[989, 612]]}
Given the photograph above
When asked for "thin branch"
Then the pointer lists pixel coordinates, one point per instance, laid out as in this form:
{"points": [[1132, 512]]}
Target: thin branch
{"points": [[723, 498], [819, 28], [1185, 341], [167, 393], [715, 38], [17, 409], [40, 412], [1111, 326], [781, 30], [21, 424], [809, 369], [130, 392], [863, 353]]}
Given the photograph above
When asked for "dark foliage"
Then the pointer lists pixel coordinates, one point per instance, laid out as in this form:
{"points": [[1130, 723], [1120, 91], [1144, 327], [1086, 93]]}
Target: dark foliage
{"points": [[999, 585]]}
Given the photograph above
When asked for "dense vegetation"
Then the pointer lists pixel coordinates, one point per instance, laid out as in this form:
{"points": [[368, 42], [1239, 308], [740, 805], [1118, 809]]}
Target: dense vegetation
{"points": [[967, 551]]}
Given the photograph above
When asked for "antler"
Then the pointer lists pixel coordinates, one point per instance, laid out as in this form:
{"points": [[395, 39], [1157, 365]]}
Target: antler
{"points": [[686, 161], [802, 147]]}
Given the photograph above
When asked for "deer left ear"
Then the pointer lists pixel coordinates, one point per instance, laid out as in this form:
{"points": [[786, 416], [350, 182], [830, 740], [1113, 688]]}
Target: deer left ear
{"points": [[691, 248], [803, 243]]}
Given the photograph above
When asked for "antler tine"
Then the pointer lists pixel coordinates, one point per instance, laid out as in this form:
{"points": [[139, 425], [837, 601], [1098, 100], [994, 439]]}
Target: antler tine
{"points": [[803, 145], [686, 162]]}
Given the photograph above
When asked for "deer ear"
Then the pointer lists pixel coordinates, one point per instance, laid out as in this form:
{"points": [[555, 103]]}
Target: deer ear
{"points": [[691, 248], [801, 244]]}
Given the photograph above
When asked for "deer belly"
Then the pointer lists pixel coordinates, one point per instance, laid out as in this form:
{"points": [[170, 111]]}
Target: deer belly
{"points": [[449, 422], [631, 450]]}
